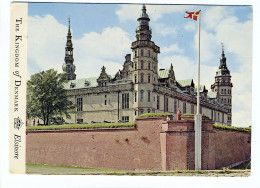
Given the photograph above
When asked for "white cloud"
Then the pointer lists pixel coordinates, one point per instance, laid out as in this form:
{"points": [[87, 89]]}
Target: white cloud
{"points": [[237, 39], [162, 29], [213, 16], [46, 44], [191, 26], [155, 12], [172, 48]]}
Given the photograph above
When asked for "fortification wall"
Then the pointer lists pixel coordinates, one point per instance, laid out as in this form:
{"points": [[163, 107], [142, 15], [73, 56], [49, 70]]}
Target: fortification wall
{"points": [[153, 144], [127, 149], [232, 147]]}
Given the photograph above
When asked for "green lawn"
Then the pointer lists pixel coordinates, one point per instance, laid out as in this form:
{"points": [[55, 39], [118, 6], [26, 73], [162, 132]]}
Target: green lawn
{"points": [[53, 169], [83, 126], [68, 170]]}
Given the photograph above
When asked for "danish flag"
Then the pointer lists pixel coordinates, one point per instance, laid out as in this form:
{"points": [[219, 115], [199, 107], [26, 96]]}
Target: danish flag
{"points": [[193, 15]]}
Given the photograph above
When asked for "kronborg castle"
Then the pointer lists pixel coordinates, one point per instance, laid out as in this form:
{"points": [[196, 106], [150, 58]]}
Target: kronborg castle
{"points": [[141, 87]]}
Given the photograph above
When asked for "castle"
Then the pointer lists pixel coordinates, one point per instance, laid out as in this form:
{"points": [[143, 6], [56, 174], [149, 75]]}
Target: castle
{"points": [[141, 87]]}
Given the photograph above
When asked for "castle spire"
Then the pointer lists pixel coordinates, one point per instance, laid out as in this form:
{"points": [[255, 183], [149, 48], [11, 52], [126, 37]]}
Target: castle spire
{"points": [[223, 65], [68, 67]]}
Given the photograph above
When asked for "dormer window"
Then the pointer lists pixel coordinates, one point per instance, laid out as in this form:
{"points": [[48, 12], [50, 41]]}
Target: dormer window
{"points": [[87, 84], [72, 85]]}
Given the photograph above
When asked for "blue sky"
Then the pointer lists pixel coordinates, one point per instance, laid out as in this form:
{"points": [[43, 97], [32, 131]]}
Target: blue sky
{"points": [[102, 35]]}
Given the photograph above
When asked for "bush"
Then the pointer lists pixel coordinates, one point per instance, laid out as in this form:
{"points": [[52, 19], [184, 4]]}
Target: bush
{"points": [[154, 115]]}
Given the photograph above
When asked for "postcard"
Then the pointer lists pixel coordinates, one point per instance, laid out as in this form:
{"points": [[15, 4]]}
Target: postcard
{"points": [[131, 89]]}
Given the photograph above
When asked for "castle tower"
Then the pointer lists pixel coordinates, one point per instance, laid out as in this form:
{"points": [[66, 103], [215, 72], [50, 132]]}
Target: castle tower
{"points": [[223, 86], [68, 67], [145, 64]]}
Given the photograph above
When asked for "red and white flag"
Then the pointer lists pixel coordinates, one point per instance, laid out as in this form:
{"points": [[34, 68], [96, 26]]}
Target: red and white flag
{"points": [[193, 15]]}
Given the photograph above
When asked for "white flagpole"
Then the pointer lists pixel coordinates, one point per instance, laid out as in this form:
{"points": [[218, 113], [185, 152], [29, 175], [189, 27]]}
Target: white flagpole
{"points": [[198, 117]]}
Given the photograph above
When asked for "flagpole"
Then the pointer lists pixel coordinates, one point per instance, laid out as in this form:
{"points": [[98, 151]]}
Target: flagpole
{"points": [[198, 117]]}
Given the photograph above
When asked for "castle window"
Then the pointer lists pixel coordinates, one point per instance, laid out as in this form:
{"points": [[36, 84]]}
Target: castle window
{"points": [[135, 66], [175, 106], [158, 102], [135, 53], [149, 78], [221, 91], [192, 109], [149, 65], [218, 116], [142, 64], [149, 96], [148, 53], [125, 100], [224, 101], [105, 102], [79, 104], [212, 114], [148, 111], [125, 118], [224, 91], [167, 105], [142, 77], [222, 117], [135, 96], [142, 52], [184, 108], [141, 111], [141, 95], [135, 79]]}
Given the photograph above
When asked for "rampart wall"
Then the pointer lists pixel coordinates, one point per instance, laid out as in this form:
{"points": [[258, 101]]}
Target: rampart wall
{"points": [[153, 144]]}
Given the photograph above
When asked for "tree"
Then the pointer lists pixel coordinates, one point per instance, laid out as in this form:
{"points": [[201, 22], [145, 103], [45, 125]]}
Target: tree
{"points": [[46, 96]]}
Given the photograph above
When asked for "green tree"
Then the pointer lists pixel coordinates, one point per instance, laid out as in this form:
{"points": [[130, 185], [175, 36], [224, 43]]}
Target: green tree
{"points": [[46, 96]]}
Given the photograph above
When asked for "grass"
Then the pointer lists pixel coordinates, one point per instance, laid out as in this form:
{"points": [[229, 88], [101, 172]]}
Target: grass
{"points": [[83, 126], [62, 170], [245, 165], [56, 169], [147, 115], [240, 129]]}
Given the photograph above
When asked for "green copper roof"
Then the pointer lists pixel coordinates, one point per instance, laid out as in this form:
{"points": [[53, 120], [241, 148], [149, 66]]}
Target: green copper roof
{"points": [[163, 73], [81, 83], [212, 95], [185, 83]]}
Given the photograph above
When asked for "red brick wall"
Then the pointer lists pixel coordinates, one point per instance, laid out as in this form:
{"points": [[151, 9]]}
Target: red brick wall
{"points": [[231, 147], [119, 149], [153, 145]]}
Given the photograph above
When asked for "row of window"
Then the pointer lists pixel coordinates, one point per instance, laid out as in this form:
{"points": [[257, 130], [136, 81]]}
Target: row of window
{"points": [[225, 91], [142, 65], [143, 52], [215, 116], [142, 78], [125, 105], [228, 101]]}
